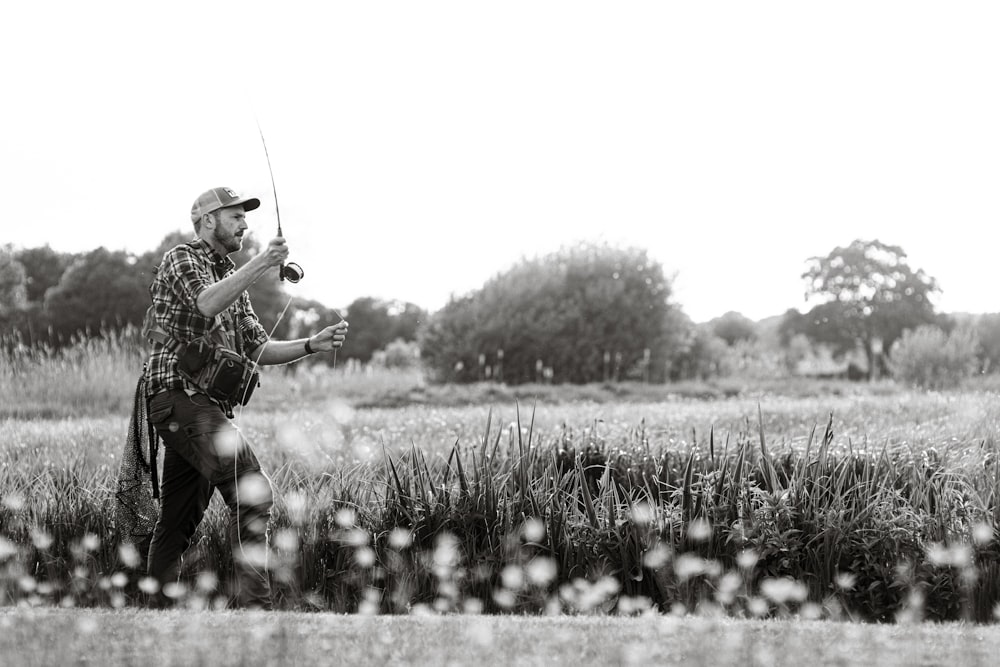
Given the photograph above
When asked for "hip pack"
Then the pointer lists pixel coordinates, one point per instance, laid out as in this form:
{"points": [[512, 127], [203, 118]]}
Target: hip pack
{"points": [[221, 373]]}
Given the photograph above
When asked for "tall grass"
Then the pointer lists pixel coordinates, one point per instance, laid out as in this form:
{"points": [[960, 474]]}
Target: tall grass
{"points": [[96, 376], [516, 521]]}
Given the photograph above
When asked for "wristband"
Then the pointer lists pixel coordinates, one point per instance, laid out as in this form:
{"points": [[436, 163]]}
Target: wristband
{"points": [[309, 349]]}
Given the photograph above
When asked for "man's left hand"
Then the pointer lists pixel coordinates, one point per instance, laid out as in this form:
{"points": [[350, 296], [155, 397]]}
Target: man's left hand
{"points": [[329, 338]]}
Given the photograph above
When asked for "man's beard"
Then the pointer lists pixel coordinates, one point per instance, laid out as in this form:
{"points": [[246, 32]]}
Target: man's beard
{"points": [[231, 242]]}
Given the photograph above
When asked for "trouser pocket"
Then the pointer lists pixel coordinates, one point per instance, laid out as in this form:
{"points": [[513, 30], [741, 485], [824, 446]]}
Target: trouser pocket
{"points": [[219, 454], [159, 410]]}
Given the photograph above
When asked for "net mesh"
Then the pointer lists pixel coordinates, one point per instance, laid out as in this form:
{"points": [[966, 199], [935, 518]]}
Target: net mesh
{"points": [[136, 505]]}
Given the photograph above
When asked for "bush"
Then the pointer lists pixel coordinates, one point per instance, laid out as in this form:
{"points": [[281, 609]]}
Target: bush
{"points": [[398, 354], [587, 313], [929, 358]]}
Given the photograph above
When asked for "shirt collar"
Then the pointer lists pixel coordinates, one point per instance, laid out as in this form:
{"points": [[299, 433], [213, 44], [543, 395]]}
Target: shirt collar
{"points": [[213, 255]]}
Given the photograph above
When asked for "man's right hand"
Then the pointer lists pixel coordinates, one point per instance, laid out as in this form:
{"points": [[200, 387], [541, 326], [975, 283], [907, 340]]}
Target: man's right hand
{"points": [[276, 252]]}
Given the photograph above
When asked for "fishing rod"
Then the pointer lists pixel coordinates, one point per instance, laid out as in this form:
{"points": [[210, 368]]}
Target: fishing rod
{"points": [[291, 271]]}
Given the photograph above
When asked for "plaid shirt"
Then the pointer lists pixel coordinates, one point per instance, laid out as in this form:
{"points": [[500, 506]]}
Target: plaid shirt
{"points": [[185, 272]]}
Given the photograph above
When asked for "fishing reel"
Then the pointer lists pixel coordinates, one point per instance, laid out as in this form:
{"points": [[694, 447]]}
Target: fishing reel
{"points": [[291, 272]]}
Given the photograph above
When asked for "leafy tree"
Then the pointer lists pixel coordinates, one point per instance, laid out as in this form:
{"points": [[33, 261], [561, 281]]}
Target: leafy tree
{"points": [[101, 289], [868, 292], [588, 313], [703, 355], [375, 323], [13, 292], [44, 267], [407, 318], [733, 327]]}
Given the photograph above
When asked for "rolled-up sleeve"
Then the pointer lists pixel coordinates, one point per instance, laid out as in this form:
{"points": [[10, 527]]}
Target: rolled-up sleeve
{"points": [[187, 276]]}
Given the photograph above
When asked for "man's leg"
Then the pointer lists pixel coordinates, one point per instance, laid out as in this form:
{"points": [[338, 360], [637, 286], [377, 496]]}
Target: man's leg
{"points": [[184, 496], [249, 497], [210, 444]]}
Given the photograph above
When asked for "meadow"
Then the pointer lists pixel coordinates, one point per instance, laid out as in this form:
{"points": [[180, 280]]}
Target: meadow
{"points": [[805, 500]]}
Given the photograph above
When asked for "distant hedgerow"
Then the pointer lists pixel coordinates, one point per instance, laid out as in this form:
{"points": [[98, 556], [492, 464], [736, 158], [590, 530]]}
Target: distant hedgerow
{"points": [[929, 358]]}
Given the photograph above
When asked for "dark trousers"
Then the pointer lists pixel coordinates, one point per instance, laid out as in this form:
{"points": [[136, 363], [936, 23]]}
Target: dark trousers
{"points": [[203, 452]]}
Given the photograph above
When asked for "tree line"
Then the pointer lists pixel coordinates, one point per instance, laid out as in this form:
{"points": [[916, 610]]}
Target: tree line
{"points": [[51, 299], [585, 313]]}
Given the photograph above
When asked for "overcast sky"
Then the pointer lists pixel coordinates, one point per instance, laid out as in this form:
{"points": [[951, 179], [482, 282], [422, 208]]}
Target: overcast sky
{"points": [[419, 148]]}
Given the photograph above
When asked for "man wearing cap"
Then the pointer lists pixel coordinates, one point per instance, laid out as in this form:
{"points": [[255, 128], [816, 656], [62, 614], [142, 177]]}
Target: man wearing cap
{"points": [[199, 294]]}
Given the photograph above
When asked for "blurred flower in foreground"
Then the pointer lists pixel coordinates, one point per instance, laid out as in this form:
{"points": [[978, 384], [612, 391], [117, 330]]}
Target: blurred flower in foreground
{"points": [[957, 555], [541, 571], [533, 530], [982, 533], [845, 580], [400, 538], [782, 590]]}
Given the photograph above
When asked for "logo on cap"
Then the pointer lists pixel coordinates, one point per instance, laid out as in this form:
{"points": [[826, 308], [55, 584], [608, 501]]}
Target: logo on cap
{"points": [[230, 192]]}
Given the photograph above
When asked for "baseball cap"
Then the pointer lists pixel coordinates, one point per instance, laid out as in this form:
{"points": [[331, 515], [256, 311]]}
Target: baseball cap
{"points": [[217, 198]]}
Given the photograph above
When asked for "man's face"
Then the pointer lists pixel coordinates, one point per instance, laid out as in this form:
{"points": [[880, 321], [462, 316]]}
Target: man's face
{"points": [[230, 225]]}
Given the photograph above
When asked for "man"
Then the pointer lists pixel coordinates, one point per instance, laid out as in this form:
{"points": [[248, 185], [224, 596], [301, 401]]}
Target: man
{"points": [[199, 296]]}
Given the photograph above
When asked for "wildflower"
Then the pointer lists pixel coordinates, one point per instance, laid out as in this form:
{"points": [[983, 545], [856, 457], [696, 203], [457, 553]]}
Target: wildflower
{"points": [[784, 589], [400, 538], [541, 571], [982, 534], [286, 540], [699, 530], [174, 590], [758, 606], [656, 557], [512, 577], [728, 585], [747, 559], [845, 580], [14, 502], [643, 514], [7, 548], [41, 539], [27, 583], [297, 507], [149, 585], [365, 556], [129, 555], [472, 606], [345, 517], [207, 582], [688, 565], [504, 598], [533, 530]]}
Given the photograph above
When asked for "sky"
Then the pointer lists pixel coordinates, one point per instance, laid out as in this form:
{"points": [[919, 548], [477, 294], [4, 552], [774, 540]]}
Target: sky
{"points": [[420, 148]]}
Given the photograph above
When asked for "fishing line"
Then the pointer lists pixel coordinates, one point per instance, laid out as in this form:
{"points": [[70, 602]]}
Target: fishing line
{"points": [[240, 435]]}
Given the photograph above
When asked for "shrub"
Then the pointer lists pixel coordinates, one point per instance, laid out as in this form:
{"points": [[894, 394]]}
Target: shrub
{"points": [[587, 313], [929, 358], [398, 354]]}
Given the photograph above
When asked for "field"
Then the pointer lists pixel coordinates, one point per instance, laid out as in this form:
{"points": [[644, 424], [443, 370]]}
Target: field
{"points": [[685, 506]]}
